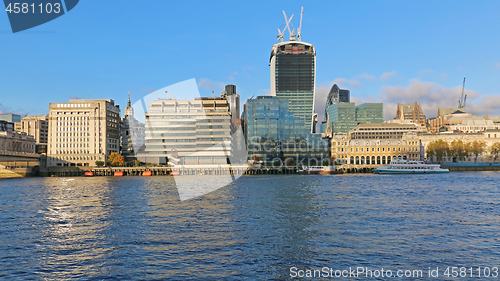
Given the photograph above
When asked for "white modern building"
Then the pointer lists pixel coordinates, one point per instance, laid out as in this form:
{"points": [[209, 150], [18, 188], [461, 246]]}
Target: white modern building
{"points": [[188, 132]]}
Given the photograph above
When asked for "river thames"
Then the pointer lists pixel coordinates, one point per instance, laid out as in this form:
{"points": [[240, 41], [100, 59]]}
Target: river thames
{"points": [[257, 228]]}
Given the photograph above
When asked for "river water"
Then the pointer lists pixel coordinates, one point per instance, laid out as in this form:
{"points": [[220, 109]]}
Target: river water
{"points": [[256, 228]]}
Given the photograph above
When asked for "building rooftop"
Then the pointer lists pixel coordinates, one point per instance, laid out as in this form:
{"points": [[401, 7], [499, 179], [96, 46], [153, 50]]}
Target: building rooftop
{"points": [[445, 111], [385, 125], [407, 108]]}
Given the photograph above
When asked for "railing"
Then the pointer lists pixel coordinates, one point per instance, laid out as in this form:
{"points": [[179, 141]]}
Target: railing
{"points": [[17, 153]]}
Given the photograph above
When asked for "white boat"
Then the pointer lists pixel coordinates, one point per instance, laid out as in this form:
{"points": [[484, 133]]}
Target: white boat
{"points": [[401, 166], [319, 170]]}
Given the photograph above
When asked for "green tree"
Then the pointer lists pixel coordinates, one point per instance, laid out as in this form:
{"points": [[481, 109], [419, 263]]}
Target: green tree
{"points": [[477, 148], [438, 149], [495, 150], [99, 163], [137, 163], [458, 150]]}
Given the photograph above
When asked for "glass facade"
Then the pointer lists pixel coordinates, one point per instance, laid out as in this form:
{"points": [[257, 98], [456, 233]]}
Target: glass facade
{"points": [[273, 131], [293, 77], [369, 113], [342, 117]]}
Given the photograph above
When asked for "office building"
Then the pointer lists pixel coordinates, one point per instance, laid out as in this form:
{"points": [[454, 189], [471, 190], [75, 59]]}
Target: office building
{"points": [[37, 126], [9, 117], [369, 113], [17, 142], [132, 134], [370, 151], [382, 130], [82, 132], [293, 76], [6, 126], [272, 131], [342, 117], [233, 100], [188, 132], [337, 95], [412, 112]]}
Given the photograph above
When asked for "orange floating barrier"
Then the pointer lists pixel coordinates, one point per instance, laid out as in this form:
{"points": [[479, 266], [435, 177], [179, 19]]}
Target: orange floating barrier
{"points": [[175, 173], [118, 174], [88, 174], [147, 173]]}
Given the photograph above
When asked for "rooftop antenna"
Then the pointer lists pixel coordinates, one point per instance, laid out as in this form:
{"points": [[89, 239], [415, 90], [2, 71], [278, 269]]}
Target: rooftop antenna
{"points": [[463, 98], [292, 36], [299, 30]]}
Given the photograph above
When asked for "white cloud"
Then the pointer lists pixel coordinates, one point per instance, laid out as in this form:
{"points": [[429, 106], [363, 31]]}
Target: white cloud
{"points": [[432, 95], [210, 85], [385, 76], [367, 76]]}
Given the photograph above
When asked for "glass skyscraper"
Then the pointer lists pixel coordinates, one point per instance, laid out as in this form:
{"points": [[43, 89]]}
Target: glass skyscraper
{"points": [[369, 113], [273, 131], [293, 76]]}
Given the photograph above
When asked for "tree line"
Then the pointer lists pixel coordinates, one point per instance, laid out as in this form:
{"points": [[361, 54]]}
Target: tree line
{"points": [[460, 150]]}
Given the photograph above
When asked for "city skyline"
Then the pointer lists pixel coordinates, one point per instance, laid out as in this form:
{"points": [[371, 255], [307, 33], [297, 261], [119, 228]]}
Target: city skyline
{"points": [[382, 52]]}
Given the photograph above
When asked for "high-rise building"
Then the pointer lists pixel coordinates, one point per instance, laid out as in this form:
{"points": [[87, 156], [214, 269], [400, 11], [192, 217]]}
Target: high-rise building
{"points": [[342, 117], [233, 100], [132, 134], [369, 113], [9, 117], [273, 131], [188, 132], [82, 132], [293, 74], [337, 95], [37, 126], [344, 95]]}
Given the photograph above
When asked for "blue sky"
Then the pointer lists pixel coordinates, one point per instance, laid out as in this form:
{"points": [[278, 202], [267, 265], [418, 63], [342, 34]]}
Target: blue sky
{"points": [[385, 51]]}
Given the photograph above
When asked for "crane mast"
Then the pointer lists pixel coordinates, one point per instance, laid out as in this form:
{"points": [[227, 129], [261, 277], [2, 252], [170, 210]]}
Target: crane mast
{"points": [[463, 98]]}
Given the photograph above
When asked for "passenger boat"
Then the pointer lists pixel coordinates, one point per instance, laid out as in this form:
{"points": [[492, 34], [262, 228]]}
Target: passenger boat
{"points": [[401, 166], [322, 170], [118, 174], [88, 174]]}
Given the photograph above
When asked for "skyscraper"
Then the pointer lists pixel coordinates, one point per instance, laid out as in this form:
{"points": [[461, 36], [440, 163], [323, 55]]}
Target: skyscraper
{"points": [[293, 74]]}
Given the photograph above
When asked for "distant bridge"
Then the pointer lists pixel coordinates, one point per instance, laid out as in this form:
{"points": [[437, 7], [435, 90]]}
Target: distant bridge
{"points": [[10, 156]]}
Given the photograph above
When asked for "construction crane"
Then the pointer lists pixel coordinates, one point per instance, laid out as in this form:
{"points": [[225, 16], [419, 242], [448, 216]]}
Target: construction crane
{"points": [[281, 32], [292, 36], [463, 98], [299, 30]]}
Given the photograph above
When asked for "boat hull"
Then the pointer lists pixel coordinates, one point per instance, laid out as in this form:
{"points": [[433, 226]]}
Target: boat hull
{"points": [[409, 172], [321, 172]]}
